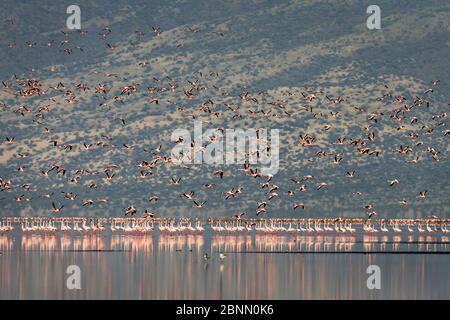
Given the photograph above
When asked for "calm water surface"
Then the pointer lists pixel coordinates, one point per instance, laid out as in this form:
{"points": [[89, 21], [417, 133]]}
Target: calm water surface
{"points": [[256, 267]]}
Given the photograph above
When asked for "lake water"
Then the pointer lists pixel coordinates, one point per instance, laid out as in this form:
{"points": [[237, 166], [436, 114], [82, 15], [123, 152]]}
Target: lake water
{"points": [[256, 267]]}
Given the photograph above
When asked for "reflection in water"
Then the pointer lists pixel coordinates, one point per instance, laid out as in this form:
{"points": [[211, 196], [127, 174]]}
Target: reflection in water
{"points": [[227, 243], [173, 267]]}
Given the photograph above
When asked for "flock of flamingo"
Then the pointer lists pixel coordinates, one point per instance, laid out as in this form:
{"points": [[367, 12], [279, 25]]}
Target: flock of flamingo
{"points": [[60, 171], [221, 225]]}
